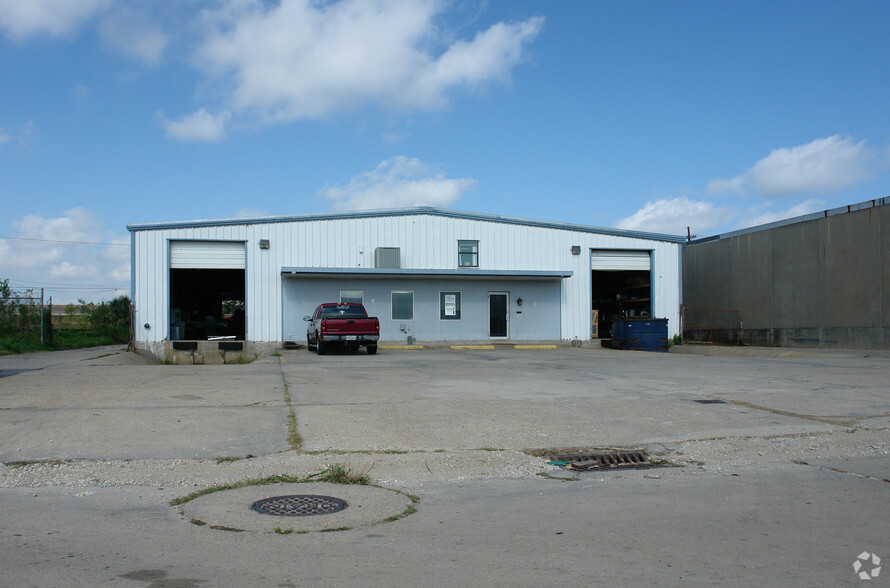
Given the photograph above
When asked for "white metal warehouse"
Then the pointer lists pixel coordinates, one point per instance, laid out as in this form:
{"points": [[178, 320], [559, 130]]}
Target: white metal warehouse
{"points": [[430, 275]]}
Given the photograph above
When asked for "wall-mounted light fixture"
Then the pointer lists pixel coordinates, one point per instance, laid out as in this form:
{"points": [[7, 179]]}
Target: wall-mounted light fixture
{"points": [[519, 302], [147, 326], [576, 250], [264, 243]]}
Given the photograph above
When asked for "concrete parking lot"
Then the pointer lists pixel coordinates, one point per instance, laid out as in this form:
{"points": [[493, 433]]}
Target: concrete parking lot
{"points": [[782, 481]]}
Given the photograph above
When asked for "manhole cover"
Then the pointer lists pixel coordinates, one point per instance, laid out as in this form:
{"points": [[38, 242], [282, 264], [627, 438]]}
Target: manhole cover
{"points": [[299, 505], [710, 401]]}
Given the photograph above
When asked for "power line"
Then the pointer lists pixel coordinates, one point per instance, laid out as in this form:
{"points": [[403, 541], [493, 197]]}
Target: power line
{"points": [[65, 242], [25, 284]]}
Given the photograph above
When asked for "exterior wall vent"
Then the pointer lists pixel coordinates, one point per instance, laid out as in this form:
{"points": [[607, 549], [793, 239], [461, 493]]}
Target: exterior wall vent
{"points": [[387, 257]]}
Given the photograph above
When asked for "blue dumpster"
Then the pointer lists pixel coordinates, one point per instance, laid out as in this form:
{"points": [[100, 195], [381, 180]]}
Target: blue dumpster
{"points": [[640, 334]]}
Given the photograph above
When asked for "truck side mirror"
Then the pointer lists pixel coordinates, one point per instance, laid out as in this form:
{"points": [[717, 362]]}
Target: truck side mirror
{"points": [[307, 318]]}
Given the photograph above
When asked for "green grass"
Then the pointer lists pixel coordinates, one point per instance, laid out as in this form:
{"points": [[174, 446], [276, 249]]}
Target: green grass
{"points": [[281, 531], [336, 474], [15, 343], [293, 435], [231, 459], [339, 474]]}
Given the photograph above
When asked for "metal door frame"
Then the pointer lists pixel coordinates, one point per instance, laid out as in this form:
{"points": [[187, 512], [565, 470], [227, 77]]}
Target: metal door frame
{"points": [[506, 296]]}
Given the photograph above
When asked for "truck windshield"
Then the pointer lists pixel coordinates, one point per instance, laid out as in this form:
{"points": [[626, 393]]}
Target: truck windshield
{"points": [[344, 311]]}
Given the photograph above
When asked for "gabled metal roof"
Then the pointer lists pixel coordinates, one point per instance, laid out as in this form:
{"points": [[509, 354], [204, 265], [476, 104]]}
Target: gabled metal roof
{"points": [[417, 211]]}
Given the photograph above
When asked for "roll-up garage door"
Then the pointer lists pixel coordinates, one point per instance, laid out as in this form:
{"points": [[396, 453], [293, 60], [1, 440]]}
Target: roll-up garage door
{"points": [[206, 255], [615, 260]]}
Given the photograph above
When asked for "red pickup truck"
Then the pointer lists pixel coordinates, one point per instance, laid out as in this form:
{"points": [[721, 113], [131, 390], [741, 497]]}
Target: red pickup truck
{"points": [[346, 324]]}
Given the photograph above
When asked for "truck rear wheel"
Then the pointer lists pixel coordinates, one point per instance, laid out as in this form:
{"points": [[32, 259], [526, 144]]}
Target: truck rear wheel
{"points": [[372, 349], [320, 347]]}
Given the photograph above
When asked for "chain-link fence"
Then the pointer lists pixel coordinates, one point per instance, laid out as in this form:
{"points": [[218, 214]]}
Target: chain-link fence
{"points": [[22, 314]]}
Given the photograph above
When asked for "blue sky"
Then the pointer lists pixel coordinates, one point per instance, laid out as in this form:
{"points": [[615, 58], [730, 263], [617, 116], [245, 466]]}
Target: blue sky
{"points": [[640, 115]]}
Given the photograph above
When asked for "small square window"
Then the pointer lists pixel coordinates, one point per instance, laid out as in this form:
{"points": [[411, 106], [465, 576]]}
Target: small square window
{"points": [[352, 296], [402, 306], [468, 253]]}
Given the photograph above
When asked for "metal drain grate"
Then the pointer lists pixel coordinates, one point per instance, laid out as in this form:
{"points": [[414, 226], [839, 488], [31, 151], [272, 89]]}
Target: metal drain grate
{"points": [[299, 505], [710, 401], [605, 460]]}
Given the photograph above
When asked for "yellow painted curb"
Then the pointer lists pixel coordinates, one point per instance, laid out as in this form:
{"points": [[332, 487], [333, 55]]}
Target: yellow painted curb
{"points": [[460, 347], [409, 347], [534, 347]]}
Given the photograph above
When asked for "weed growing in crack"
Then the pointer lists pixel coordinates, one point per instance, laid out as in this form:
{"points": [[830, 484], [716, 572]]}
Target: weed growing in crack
{"points": [[231, 459], [281, 531], [335, 474], [340, 474]]}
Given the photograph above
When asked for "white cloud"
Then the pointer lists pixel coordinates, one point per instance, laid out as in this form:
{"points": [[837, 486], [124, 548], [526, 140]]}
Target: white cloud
{"points": [[132, 33], [78, 224], [59, 253], [490, 56], [248, 212], [80, 92], [397, 183], [24, 18], [198, 126], [805, 207], [303, 58], [67, 270], [672, 215], [823, 165], [21, 136]]}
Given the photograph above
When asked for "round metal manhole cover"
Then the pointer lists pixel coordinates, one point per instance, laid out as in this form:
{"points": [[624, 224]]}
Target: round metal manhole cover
{"points": [[299, 505]]}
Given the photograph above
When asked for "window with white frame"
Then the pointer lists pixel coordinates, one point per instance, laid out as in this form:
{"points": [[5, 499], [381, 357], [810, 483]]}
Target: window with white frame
{"points": [[352, 296], [402, 305], [467, 253]]}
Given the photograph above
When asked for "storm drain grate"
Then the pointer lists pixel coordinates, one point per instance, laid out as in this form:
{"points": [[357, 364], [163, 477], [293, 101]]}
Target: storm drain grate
{"points": [[299, 505], [605, 460], [710, 401]]}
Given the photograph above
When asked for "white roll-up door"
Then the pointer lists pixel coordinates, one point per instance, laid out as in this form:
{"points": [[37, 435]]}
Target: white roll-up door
{"points": [[619, 260], [207, 255]]}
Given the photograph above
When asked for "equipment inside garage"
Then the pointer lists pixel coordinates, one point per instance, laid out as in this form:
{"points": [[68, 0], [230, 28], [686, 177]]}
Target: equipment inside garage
{"points": [[207, 290], [206, 303], [620, 288]]}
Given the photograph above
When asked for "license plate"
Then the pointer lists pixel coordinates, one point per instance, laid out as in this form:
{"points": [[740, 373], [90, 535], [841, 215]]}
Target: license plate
{"points": [[350, 337]]}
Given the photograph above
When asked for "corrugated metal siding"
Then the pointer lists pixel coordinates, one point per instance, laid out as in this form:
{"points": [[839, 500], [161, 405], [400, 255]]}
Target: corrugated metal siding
{"points": [[425, 241]]}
